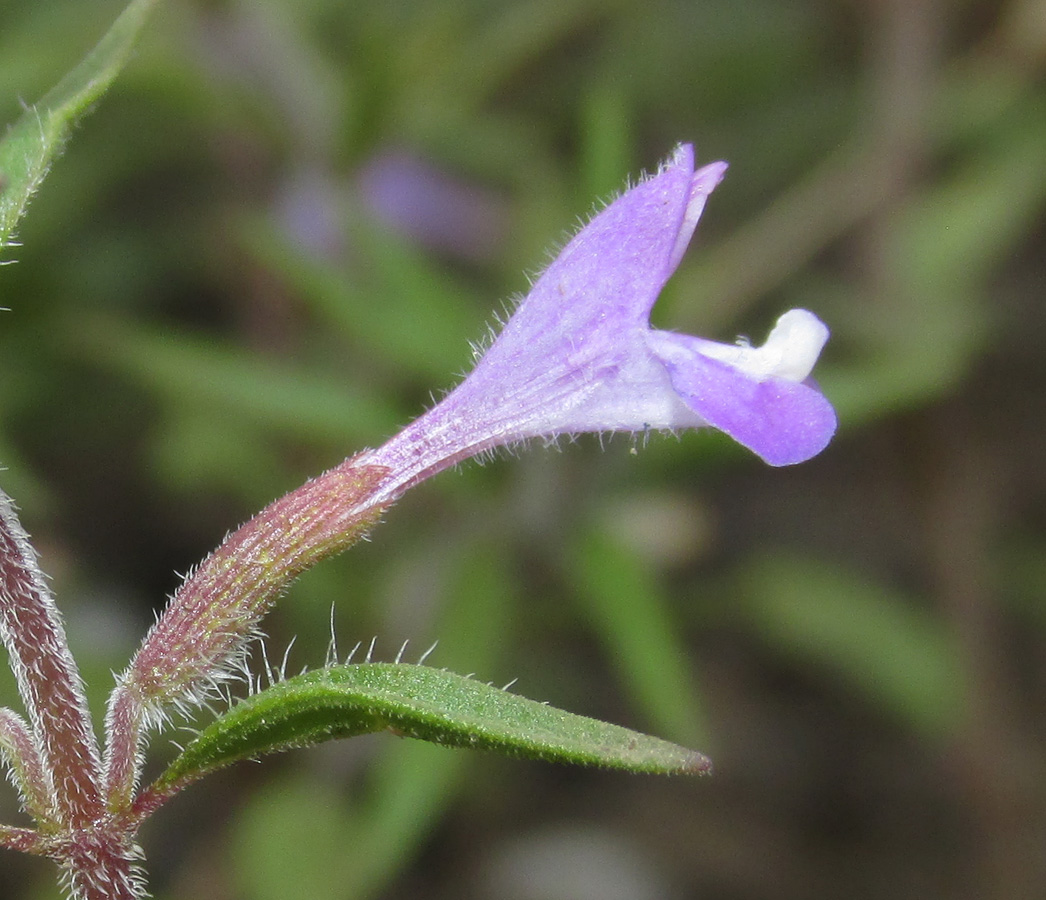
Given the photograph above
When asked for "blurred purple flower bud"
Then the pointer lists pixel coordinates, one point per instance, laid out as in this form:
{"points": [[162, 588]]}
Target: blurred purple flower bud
{"points": [[308, 205], [579, 354], [421, 201]]}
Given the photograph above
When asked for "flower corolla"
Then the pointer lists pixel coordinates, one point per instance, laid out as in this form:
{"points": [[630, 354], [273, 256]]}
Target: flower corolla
{"points": [[578, 354]]}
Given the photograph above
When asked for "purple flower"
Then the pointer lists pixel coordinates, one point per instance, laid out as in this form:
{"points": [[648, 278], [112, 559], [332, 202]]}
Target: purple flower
{"points": [[579, 354]]}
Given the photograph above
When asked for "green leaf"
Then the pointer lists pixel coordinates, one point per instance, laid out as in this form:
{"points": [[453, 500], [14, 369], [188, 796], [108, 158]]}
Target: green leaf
{"points": [[424, 703], [36, 139]]}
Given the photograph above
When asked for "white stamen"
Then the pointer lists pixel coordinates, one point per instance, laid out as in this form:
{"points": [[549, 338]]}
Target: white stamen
{"points": [[790, 351]]}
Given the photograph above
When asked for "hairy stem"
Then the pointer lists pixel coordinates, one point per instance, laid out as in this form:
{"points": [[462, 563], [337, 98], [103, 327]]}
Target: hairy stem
{"points": [[102, 865], [27, 840], [47, 677], [28, 772]]}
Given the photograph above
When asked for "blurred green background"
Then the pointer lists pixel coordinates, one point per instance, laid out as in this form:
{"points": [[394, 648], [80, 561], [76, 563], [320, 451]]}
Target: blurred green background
{"points": [[271, 244]]}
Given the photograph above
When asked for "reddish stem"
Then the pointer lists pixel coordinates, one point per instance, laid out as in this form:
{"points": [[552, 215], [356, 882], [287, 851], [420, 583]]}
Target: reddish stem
{"points": [[26, 840], [101, 863], [48, 680], [27, 768]]}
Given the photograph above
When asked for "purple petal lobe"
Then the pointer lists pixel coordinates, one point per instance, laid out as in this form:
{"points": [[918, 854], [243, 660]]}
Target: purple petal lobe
{"points": [[609, 275], [784, 422], [703, 182]]}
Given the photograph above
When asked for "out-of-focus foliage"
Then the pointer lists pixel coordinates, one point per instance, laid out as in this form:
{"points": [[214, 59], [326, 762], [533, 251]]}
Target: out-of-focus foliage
{"points": [[275, 238], [29, 146]]}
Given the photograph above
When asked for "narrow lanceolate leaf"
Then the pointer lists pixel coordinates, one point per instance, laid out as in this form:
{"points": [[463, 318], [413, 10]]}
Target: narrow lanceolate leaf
{"points": [[425, 703], [34, 141]]}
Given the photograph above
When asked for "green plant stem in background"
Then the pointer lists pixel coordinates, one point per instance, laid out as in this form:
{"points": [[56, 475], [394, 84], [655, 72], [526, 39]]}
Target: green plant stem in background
{"points": [[33, 143]]}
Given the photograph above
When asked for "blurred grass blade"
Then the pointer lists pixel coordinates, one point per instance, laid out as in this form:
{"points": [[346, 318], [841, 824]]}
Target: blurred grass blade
{"points": [[631, 612], [408, 313], [606, 140], [240, 384], [879, 642], [33, 142], [425, 703]]}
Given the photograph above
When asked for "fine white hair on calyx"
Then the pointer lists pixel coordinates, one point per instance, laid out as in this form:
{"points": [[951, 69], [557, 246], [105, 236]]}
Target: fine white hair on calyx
{"points": [[207, 686]]}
